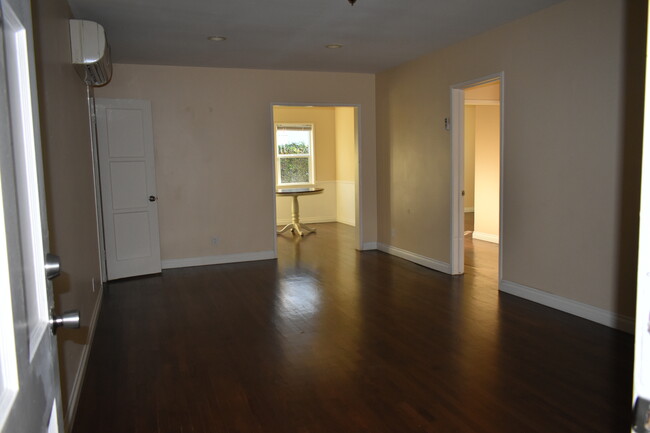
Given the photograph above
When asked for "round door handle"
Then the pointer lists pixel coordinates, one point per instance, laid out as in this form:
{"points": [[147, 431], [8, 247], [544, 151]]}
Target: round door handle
{"points": [[69, 319], [153, 198]]}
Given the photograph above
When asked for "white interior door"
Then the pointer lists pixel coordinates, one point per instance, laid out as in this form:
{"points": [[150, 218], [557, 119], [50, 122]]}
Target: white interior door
{"points": [[128, 184], [29, 380]]}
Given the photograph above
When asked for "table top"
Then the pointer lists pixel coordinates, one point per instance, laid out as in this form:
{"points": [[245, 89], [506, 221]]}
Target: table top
{"points": [[298, 191]]}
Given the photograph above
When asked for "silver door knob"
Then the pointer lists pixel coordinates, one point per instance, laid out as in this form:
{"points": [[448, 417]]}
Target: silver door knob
{"points": [[69, 319], [52, 266]]}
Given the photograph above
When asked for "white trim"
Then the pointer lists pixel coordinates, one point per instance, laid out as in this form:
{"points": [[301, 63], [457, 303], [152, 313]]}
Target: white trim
{"points": [[469, 209], [75, 392], [415, 258], [488, 237], [589, 312], [482, 102], [218, 260], [369, 246]]}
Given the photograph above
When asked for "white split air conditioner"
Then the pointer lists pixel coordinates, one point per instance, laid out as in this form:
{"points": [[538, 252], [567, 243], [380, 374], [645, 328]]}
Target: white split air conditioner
{"points": [[91, 55]]}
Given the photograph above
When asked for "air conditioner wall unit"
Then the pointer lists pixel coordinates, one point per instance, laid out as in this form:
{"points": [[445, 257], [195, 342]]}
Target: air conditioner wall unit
{"points": [[91, 54]]}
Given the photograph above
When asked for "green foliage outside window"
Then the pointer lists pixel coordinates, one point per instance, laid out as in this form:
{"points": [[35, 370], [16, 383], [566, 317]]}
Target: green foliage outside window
{"points": [[294, 170], [299, 148]]}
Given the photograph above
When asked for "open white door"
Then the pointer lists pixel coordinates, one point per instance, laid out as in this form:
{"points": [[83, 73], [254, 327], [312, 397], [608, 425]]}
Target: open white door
{"points": [[128, 187], [642, 328], [30, 394]]}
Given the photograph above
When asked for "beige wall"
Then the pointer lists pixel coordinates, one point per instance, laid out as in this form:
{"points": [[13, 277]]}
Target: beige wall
{"points": [[346, 163], [469, 156], [324, 135], [213, 138], [68, 182], [486, 201], [484, 92], [573, 73], [345, 143]]}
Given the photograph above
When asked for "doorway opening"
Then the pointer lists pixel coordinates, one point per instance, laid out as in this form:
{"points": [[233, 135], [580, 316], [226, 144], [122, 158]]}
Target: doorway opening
{"points": [[316, 146], [477, 167]]}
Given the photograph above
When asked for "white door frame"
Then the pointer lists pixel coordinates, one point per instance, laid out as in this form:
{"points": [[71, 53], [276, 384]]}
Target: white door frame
{"points": [[358, 200], [458, 170]]}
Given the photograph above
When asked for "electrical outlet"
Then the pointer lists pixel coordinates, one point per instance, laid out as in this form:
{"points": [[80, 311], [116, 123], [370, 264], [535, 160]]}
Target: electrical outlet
{"points": [[215, 241]]}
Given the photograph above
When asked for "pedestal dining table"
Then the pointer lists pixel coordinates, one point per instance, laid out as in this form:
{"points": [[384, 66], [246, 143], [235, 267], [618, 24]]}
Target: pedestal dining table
{"points": [[295, 225]]}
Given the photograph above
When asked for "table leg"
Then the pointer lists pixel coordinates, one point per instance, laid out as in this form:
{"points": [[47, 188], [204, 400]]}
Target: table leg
{"points": [[295, 225]]}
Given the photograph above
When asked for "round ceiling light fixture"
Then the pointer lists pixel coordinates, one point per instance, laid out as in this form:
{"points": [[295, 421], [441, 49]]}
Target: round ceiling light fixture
{"points": [[217, 38], [333, 46]]}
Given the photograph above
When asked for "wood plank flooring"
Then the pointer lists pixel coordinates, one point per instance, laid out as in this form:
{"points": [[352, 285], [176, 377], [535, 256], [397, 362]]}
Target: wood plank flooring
{"points": [[331, 340]]}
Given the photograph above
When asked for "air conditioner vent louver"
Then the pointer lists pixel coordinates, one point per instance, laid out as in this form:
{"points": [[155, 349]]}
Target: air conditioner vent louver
{"points": [[91, 54]]}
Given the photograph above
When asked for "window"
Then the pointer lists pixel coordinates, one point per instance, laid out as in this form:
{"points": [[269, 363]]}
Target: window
{"points": [[294, 153]]}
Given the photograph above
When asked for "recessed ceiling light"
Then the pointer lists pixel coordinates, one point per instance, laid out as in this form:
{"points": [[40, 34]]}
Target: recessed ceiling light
{"points": [[333, 46], [217, 38]]}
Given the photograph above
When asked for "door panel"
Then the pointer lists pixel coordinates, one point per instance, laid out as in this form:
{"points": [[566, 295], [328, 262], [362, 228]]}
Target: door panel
{"points": [[126, 159], [29, 384]]}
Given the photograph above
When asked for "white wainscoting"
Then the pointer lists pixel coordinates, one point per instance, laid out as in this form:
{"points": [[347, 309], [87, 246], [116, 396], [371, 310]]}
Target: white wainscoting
{"points": [[334, 204], [416, 258], [589, 312], [345, 204]]}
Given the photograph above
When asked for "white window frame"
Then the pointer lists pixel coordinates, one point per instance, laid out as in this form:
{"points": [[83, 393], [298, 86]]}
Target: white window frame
{"points": [[279, 157]]}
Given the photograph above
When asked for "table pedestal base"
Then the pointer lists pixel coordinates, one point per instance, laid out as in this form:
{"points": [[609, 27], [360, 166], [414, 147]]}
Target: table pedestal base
{"points": [[295, 225]]}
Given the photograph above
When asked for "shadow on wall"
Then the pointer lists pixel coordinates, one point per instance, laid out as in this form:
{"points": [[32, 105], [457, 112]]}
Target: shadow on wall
{"points": [[629, 184]]}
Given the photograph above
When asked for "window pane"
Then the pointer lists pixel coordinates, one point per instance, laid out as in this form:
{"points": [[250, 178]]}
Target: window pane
{"points": [[294, 142], [294, 170]]}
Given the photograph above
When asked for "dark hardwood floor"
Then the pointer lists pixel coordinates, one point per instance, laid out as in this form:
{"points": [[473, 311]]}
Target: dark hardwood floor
{"points": [[331, 340]]}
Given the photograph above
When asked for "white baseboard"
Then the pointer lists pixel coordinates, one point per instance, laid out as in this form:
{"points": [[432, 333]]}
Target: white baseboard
{"points": [[486, 237], [369, 246], [589, 312], [349, 222], [75, 392], [469, 209], [416, 258], [309, 220], [218, 260]]}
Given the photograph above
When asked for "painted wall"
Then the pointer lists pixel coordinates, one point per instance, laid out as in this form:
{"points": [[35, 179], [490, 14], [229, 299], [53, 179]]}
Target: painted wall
{"points": [[69, 186], [573, 81], [345, 164], [213, 138], [324, 135], [487, 143], [469, 156]]}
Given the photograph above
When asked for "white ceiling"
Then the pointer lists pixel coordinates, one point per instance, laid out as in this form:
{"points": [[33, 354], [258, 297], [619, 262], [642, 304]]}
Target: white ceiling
{"points": [[291, 34]]}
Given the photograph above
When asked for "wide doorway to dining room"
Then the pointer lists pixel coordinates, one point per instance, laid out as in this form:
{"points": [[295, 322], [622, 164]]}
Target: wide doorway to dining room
{"points": [[316, 163]]}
